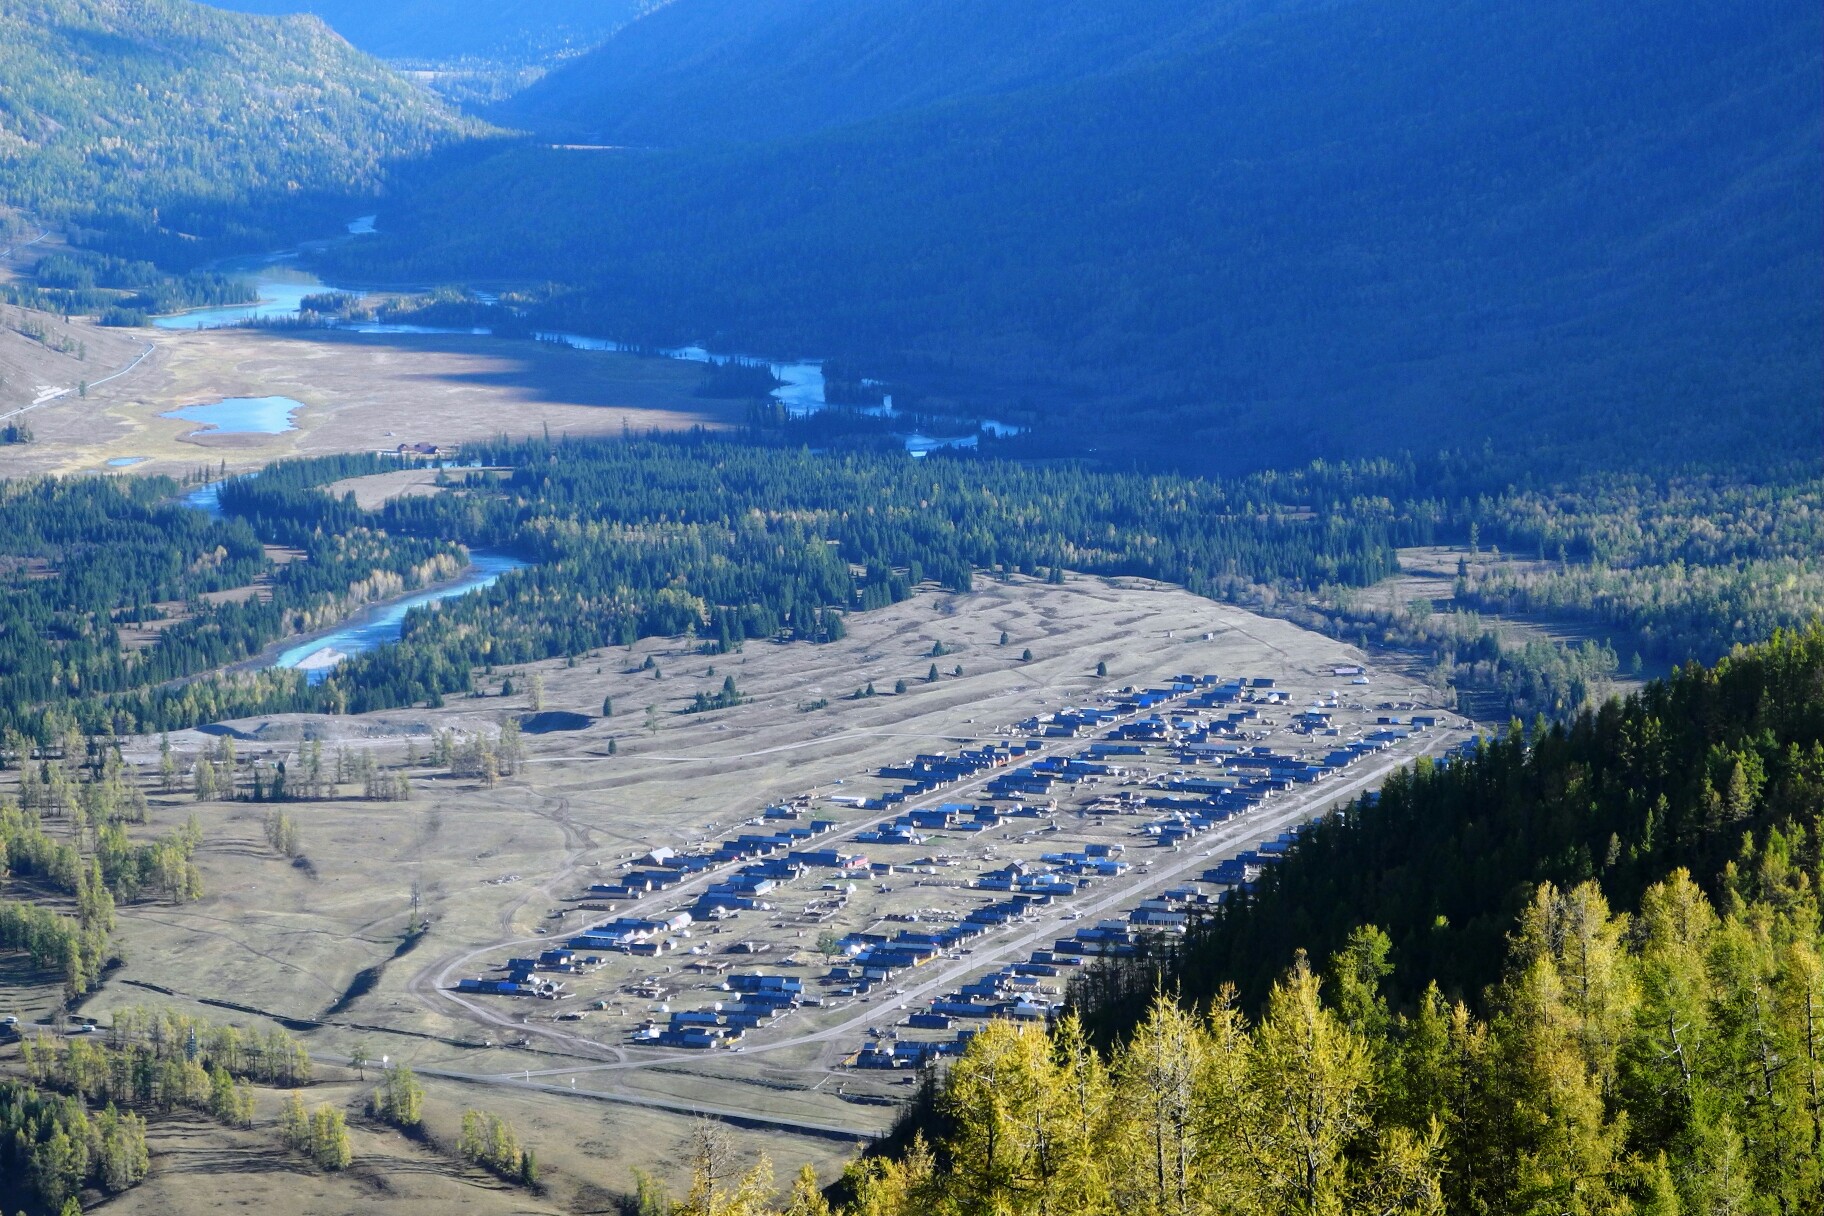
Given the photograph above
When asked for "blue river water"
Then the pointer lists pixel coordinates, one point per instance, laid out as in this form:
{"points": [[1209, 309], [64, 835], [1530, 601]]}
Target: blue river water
{"points": [[376, 626], [382, 624], [282, 285]]}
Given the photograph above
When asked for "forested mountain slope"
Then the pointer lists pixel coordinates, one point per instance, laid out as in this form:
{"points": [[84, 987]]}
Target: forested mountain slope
{"points": [[169, 116], [1687, 774], [1578, 232], [449, 29], [726, 71]]}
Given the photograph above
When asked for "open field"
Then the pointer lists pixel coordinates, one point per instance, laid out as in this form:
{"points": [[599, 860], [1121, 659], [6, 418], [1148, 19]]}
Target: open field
{"points": [[199, 1166], [359, 393], [491, 866], [1428, 575]]}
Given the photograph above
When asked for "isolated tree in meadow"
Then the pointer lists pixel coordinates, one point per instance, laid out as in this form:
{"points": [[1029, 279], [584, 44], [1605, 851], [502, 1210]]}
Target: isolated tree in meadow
{"points": [[294, 1123], [607, 707], [167, 765], [535, 692]]}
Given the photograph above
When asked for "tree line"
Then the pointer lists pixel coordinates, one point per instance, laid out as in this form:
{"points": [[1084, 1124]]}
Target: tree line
{"points": [[732, 541]]}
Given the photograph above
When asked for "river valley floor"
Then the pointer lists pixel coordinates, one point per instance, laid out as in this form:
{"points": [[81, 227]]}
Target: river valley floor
{"points": [[359, 392], [491, 865]]}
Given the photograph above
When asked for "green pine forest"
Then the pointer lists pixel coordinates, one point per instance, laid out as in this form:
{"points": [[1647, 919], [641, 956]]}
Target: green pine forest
{"points": [[751, 537]]}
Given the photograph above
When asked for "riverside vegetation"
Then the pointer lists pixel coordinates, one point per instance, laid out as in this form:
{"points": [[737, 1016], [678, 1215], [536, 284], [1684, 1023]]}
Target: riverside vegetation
{"points": [[736, 539]]}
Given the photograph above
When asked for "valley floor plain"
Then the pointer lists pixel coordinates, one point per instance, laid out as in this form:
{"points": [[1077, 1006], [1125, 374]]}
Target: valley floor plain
{"points": [[491, 865]]}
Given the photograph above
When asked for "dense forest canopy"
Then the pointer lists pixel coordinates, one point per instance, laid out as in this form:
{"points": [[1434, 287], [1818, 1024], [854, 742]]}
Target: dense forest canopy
{"points": [[1581, 233]]}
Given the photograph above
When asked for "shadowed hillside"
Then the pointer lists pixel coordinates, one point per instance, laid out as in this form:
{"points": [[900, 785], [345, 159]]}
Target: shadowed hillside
{"points": [[1579, 233]]}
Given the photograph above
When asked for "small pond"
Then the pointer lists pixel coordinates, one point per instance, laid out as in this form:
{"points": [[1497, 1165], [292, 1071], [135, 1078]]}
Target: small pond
{"points": [[242, 415]]}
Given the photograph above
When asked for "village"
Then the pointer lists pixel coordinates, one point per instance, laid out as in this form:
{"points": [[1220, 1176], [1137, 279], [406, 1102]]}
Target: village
{"points": [[960, 885]]}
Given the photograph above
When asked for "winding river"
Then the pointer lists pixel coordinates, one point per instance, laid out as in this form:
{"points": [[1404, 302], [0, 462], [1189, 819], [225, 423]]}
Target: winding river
{"points": [[376, 625], [282, 284], [383, 623]]}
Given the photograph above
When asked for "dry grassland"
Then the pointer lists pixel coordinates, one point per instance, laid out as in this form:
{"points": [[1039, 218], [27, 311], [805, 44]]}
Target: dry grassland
{"points": [[490, 865], [359, 393]]}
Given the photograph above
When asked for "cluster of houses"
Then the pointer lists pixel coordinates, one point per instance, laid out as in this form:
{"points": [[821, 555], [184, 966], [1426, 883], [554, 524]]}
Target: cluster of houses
{"points": [[910, 827], [1209, 725], [663, 868], [928, 772], [1028, 991], [643, 936], [1235, 777], [523, 976], [758, 999], [1032, 990]]}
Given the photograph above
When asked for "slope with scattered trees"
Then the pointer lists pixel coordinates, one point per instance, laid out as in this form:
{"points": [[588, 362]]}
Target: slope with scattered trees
{"points": [[174, 130]]}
